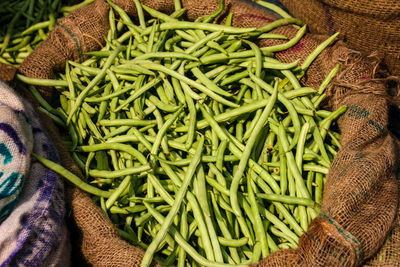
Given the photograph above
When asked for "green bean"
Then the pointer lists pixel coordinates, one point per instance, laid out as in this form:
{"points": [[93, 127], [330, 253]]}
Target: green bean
{"points": [[315, 168], [300, 145], [290, 43], [255, 257], [94, 82], [277, 23], [35, 27], [186, 36], [230, 114], [71, 177], [271, 36], [119, 173], [132, 68], [178, 91], [233, 242], [126, 19], [204, 234], [259, 64], [41, 82], [276, 65], [289, 106], [208, 83], [186, 246], [165, 55], [225, 71], [238, 152], [275, 8], [168, 88], [173, 25], [318, 100], [278, 223], [130, 138], [161, 105], [327, 79], [258, 226], [310, 58], [174, 209], [304, 91], [114, 146], [200, 191], [228, 20], [292, 163], [91, 125], [139, 10], [122, 186], [163, 130], [159, 188], [54, 117], [82, 68], [19, 46], [216, 13], [192, 121], [235, 77], [287, 199], [248, 149], [318, 138], [220, 58], [157, 14], [128, 122], [283, 235], [117, 131], [201, 87], [10, 29]]}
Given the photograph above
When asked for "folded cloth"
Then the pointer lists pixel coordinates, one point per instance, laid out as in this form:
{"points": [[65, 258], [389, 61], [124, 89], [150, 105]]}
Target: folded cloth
{"points": [[33, 231], [15, 147]]}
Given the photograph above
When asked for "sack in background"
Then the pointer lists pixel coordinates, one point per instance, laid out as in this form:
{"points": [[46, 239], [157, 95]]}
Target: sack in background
{"points": [[361, 194], [34, 233], [366, 25]]}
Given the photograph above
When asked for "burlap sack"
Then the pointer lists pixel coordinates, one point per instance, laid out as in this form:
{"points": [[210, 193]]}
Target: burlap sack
{"points": [[361, 194], [367, 25], [7, 72]]}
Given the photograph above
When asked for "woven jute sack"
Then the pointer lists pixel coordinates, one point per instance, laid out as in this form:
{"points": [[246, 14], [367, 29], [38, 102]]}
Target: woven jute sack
{"points": [[358, 223], [367, 25]]}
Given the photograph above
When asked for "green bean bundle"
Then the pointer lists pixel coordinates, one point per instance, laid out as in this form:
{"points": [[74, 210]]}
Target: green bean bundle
{"points": [[24, 24], [199, 145]]}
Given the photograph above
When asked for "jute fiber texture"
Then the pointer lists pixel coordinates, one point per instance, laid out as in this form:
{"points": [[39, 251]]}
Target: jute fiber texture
{"points": [[366, 25], [6, 72], [360, 201]]}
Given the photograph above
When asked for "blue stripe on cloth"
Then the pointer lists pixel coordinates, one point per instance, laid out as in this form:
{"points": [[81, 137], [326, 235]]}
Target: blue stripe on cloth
{"points": [[7, 209], [5, 152], [11, 184], [10, 131]]}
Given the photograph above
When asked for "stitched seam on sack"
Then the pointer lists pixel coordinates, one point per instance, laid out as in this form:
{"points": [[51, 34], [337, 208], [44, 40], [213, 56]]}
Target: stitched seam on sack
{"points": [[74, 38], [346, 235]]}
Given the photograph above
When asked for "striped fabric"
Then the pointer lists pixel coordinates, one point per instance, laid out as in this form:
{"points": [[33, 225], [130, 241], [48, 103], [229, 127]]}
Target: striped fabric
{"points": [[15, 147], [34, 233]]}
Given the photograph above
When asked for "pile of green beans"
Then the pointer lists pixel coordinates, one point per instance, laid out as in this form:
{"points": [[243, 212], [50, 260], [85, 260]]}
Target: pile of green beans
{"points": [[200, 146], [24, 24]]}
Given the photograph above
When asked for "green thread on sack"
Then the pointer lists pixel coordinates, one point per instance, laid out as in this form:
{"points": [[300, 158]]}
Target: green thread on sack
{"points": [[357, 112], [74, 38], [347, 167], [6, 153], [345, 234], [378, 126]]}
